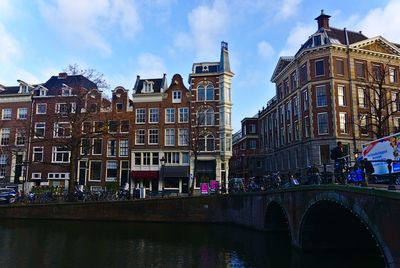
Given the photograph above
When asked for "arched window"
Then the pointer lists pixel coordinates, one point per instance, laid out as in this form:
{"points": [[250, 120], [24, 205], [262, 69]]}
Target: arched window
{"points": [[207, 143], [210, 93], [205, 117], [201, 93]]}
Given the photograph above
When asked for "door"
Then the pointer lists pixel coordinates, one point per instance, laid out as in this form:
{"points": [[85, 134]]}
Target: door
{"points": [[18, 168]]}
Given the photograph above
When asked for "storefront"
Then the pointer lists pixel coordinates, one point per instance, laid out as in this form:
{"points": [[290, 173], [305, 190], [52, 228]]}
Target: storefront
{"points": [[148, 179], [175, 178]]}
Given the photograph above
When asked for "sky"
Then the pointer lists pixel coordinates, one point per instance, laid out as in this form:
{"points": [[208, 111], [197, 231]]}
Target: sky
{"points": [[126, 38]]}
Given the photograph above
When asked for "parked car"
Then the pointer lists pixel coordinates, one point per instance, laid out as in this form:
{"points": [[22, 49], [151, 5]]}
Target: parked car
{"points": [[8, 195], [385, 179]]}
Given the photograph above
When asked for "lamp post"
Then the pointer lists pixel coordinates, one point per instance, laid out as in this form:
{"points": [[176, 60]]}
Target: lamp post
{"points": [[162, 161]]}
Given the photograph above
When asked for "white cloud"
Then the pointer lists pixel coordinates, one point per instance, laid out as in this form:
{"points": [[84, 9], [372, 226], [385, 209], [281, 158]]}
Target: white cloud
{"points": [[382, 21], [150, 66], [86, 21], [288, 8], [6, 8], [297, 36], [9, 47], [206, 25], [264, 49]]}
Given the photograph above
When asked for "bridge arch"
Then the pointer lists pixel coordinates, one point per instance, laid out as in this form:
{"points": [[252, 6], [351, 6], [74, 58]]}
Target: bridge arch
{"points": [[332, 222], [276, 219]]}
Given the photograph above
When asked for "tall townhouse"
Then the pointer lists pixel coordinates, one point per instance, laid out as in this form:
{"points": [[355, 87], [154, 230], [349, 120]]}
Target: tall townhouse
{"points": [[246, 161], [148, 113], [15, 108], [324, 94], [210, 111], [63, 109]]}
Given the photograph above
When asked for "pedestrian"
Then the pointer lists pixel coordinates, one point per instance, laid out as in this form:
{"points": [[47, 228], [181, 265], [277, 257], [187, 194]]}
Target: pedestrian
{"points": [[337, 154]]}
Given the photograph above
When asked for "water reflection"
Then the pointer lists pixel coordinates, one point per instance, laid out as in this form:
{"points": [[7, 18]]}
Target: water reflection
{"points": [[110, 244]]}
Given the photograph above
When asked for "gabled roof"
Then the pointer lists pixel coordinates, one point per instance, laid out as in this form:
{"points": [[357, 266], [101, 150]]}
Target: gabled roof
{"points": [[282, 63], [55, 83], [159, 84], [377, 44]]}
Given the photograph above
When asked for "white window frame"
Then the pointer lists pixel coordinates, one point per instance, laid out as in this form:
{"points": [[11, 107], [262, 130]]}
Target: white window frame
{"points": [[183, 137], [169, 137], [61, 125], [183, 115], [5, 135], [124, 148], [111, 165], [342, 96], [317, 90], [41, 105], [140, 116], [343, 124], [170, 115], [154, 115], [6, 114], [55, 151], [176, 96], [138, 134], [24, 115], [112, 144], [155, 134], [319, 115], [44, 129], [38, 150]]}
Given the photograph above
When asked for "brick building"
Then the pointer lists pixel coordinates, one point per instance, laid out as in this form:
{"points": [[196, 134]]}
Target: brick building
{"points": [[329, 91]]}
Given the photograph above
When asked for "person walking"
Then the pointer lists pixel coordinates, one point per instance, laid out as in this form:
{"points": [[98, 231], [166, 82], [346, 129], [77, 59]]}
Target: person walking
{"points": [[369, 169]]}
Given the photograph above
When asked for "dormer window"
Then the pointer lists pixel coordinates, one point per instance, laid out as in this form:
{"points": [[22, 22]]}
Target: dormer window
{"points": [[317, 40], [205, 68], [42, 92], [23, 88], [148, 86], [66, 91]]}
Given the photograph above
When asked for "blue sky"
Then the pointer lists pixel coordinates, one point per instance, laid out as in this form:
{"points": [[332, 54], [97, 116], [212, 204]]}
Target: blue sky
{"points": [[125, 38]]}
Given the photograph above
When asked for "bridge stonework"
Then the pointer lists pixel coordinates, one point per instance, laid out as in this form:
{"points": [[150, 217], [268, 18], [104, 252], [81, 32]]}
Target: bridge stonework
{"points": [[302, 209]]}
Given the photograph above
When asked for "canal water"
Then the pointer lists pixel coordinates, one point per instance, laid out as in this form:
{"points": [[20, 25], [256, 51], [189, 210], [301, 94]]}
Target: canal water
{"points": [[117, 244]]}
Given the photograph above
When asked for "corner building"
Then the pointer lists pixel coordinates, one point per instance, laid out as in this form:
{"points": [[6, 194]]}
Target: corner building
{"points": [[321, 98]]}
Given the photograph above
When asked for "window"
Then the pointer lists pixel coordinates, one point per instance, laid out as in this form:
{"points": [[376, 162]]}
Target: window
{"points": [[306, 127], [394, 102], [364, 124], [360, 69], [112, 126], [138, 159], [41, 108], [22, 113], [184, 115], [123, 148], [176, 96], [339, 67], [171, 157], [148, 86], [303, 73], [37, 176], [140, 136], [40, 129], [124, 172], [210, 93], [169, 137], [185, 158], [112, 170], [322, 123], [153, 136], [252, 144], [170, 115], [317, 40], [319, 68], [201, 93], [206, 143], [85, 146], [66, 91], [153, 115], [341, 95], [6, 114], [206, 117], [65, 108], [60, 155], [294, 80], [112, 148], [297, 130], [393, 76], [5, 136], [295, 106], [321, 96], [20, 137], [120, 107], [95, 170], [37, 154], [98, 126], [146, 159], [140, 116], [286, 86], [86, 127], [155, 159], [125, 126], [62, 130], [42, 92], [377, 72], [305, 100], [97, 146], [362, 102], [183, 137], [343, 123], [324, 154]]}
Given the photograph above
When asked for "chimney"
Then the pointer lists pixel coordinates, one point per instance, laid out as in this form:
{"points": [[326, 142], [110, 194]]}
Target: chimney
{"points": [[323, 20], [62, 75]]}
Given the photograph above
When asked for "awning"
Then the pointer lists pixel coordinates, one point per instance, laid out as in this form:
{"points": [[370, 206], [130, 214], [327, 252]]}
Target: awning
{"points": [[175, 172], [144, 175]]}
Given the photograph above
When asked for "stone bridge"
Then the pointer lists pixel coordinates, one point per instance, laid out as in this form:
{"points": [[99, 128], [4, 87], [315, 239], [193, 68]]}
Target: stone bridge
{"points": [[326, 217]]}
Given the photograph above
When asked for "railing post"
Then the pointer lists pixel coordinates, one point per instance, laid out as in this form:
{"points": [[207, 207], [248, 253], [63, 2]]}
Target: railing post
{"points": [[391, 183]]}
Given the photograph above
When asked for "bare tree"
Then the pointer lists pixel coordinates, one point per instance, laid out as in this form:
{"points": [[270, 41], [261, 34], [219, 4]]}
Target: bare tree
{"points": [[90, 73], [380, 102]]}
